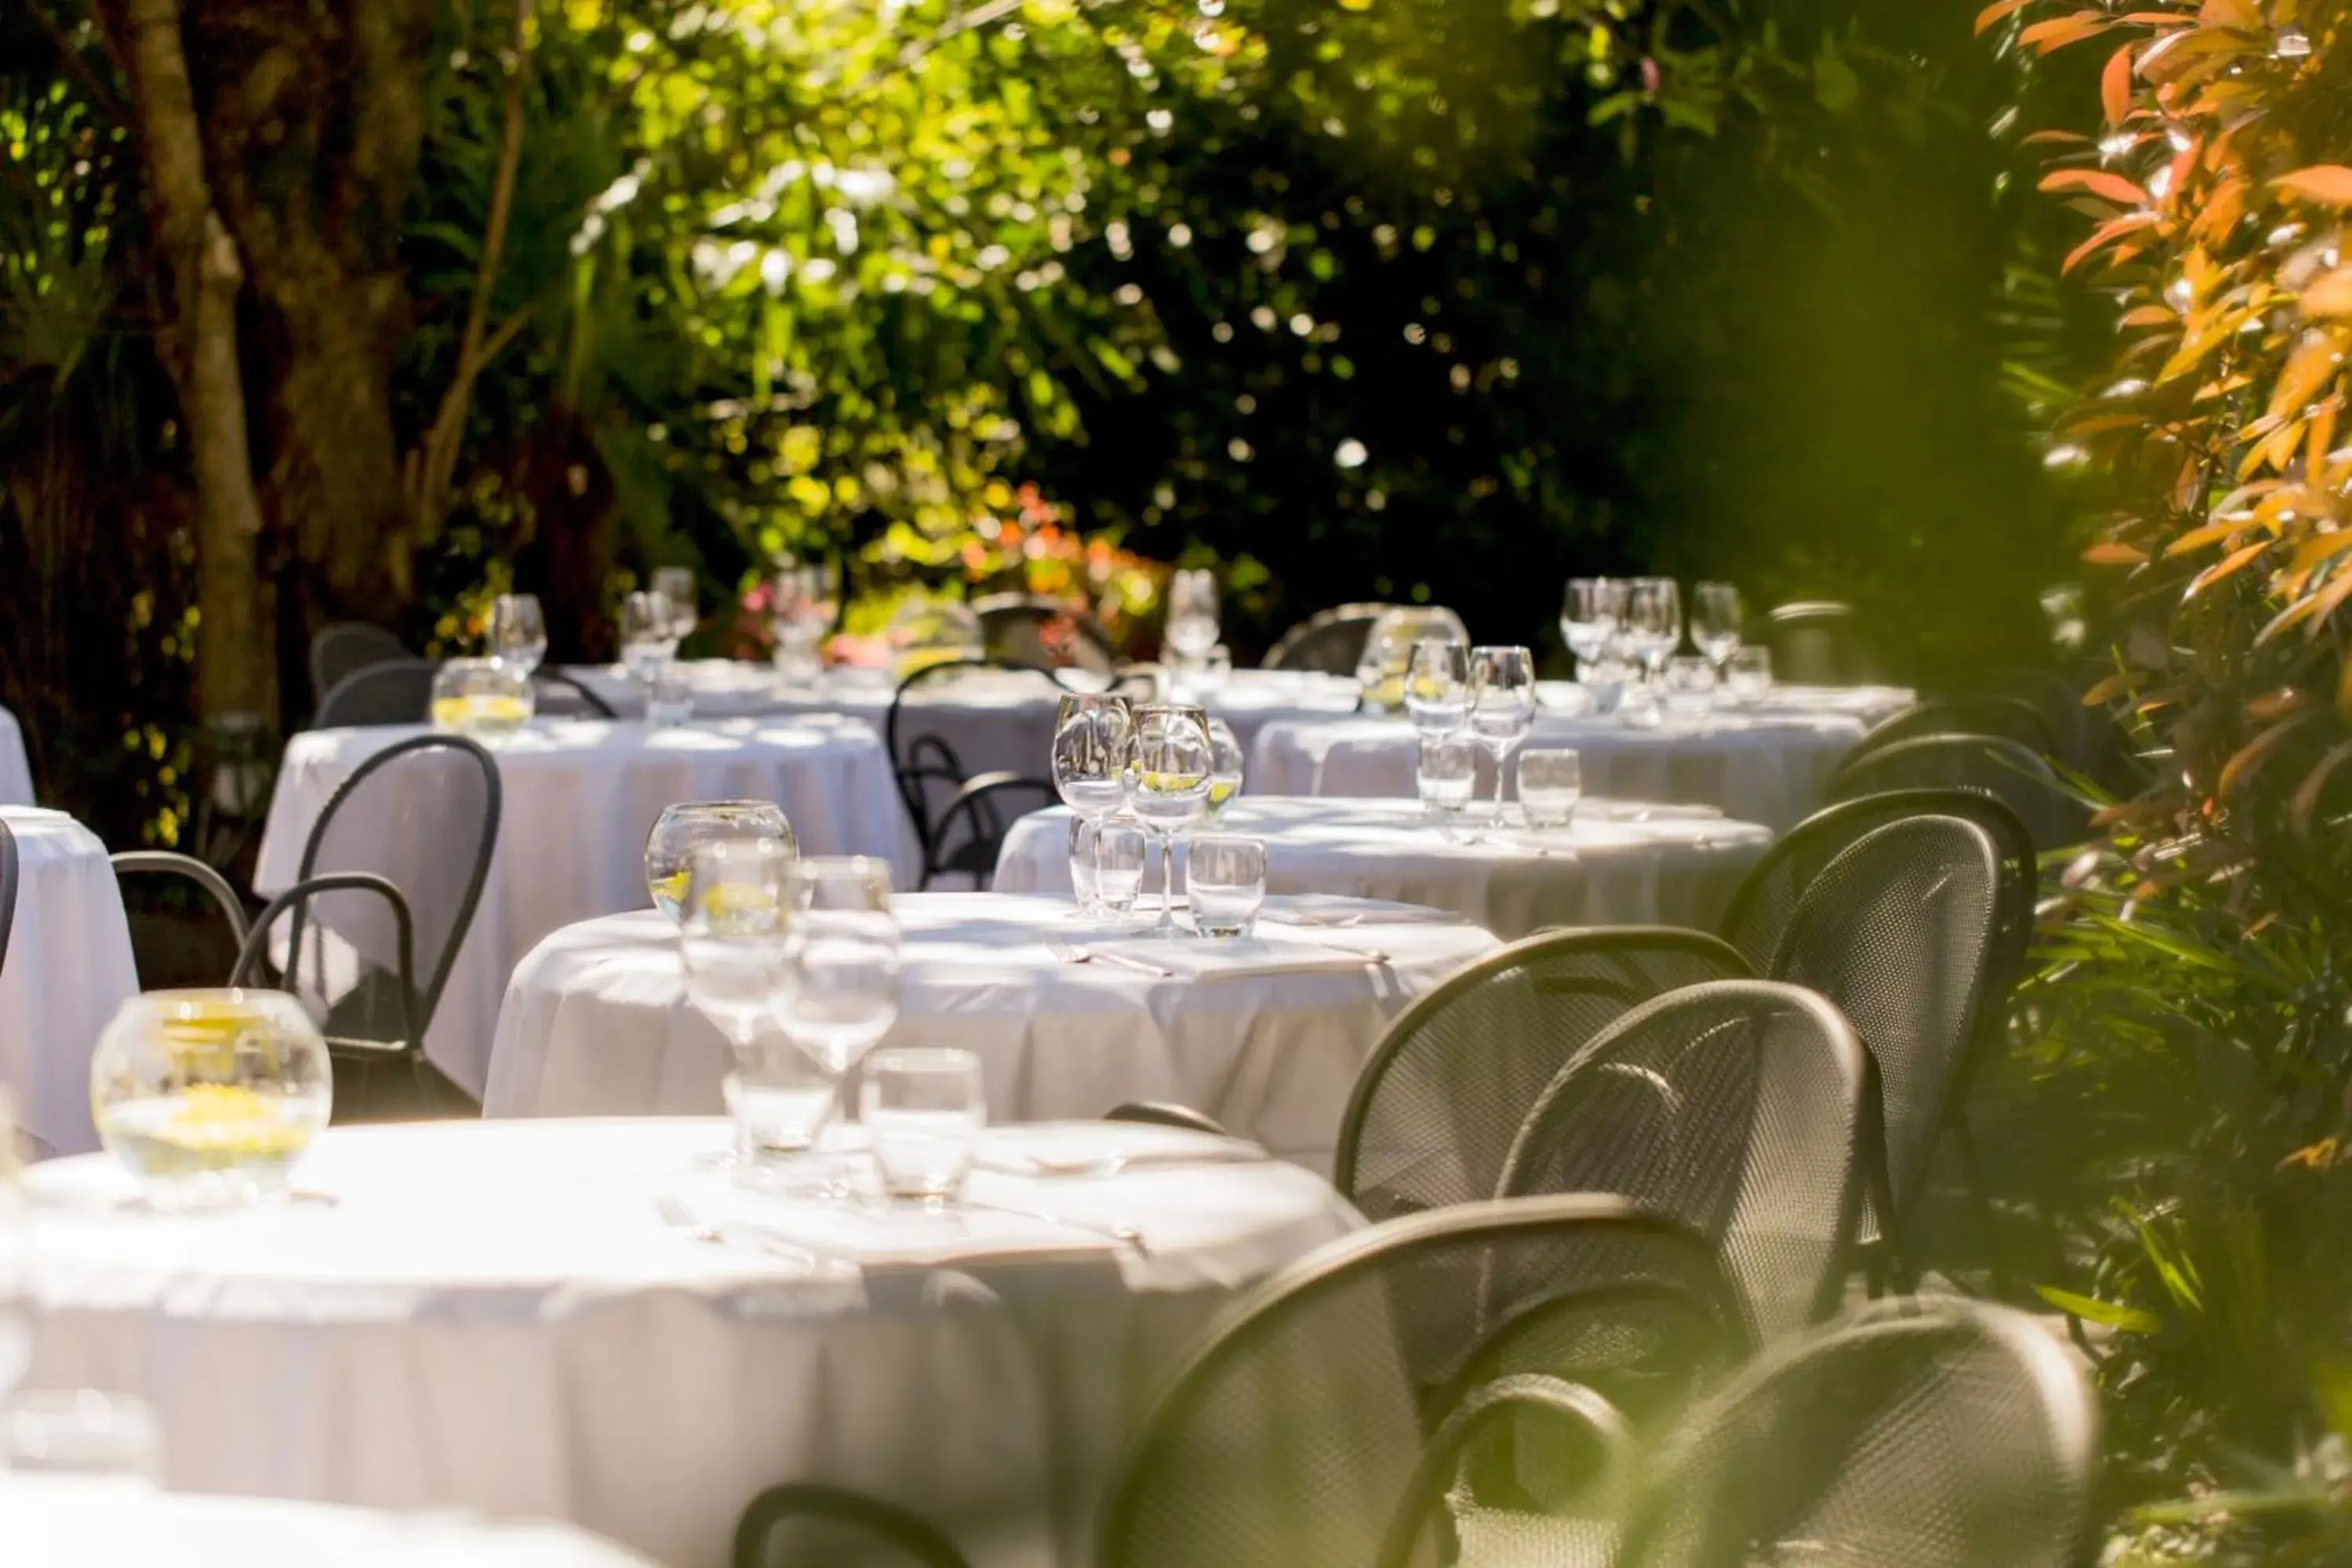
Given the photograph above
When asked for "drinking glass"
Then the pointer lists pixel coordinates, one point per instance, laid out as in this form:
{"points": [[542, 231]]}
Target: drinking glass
{"points": [[517, 632], [1717, 618], [1654, 621], [841, 956], [1083, 887], [1193, 612], [483, 697], [1168, 785], [923, 1111], [646, 641], [1447, 775], [1690, 683], [730, 944], [82, 1433], [1550, 784], [675, 585], [1118, 852], [1224, 878], [669, 696], [1437, 687], [682, 828], [803, 610], [1225, 767], [1748, 674], [1502, 704], [1591, 612]]}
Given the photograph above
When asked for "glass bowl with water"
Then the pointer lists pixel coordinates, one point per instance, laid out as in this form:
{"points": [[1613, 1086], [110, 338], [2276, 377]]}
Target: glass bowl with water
{"points": [[669, 847]]}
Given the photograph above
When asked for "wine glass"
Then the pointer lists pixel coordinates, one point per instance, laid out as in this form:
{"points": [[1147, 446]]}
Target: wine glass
{"points": [[730, 944], [645, 640], [1437, 687], [517, 632], [1193, 612], [676, 587], [1225, 766], [841, 957], [1654, 621], [1502, 705], [1169, 776], [1093, 734], [1717, 618], [1591, 613]]}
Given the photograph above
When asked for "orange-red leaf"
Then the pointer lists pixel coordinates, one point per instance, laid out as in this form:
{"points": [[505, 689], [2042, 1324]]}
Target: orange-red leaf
{"points": [[2061, 31], [2206, 533], [2116, 86], [2307, 370], [2229, 13], [2329, 294], [2225, 205], [2105, 234], [2114, 552], [2224, 568], [2099, 182], [1993, 14], [2054, 139], [2251, 754], [2148, 316], [2325, 603], [2306, 801], [2329, 185]]}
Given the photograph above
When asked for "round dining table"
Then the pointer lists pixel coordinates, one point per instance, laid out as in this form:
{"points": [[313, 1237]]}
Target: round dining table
{"points": [[79, 1522], [68, 967], [1768, 763], [579, 798], [1618, 863], [16, 768], [587, 1321], [1069, 1017]]}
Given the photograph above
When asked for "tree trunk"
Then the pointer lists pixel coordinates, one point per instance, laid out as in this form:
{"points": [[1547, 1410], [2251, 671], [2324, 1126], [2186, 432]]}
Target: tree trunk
{"points": [[234, 668]]}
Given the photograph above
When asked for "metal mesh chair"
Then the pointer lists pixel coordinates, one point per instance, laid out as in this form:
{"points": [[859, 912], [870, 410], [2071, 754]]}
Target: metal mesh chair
{"points": [[1746, 1110], [969, 834], [1024, 628], [346, 647], [806, 1525], [7, 889], [2010, 718], [1330, 641], [391, 691], [2018, 778], [1921, 1435], [172, 942], [1289, 1434], [386, 890], [1435, 1108], [929, 772], [1818, 643]]}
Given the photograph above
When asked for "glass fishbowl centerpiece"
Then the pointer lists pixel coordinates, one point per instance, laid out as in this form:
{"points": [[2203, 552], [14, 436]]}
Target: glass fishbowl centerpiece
{"points": [[669, 847], [484, 697]]}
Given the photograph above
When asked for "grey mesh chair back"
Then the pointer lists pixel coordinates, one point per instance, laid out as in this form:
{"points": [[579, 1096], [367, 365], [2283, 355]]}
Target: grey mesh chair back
{"points": [[2018, 777], [9, 880], [1818, 642], [1287, 1436], [347, 647], [1437, 1105], [391, 691], [1744, 1108], [1940, 1434], [2010, 718], [1330, 641], [187, 924], [1024, 629], [1900, 930]]}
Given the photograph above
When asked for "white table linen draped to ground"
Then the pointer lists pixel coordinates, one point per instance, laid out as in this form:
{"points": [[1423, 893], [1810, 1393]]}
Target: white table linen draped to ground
{"points": [[1767, 764], [498, 1316], [16, 768], [68, 969], [996, 721], [52, 1522], [1619, 864], [1266, 1034], [580, 796]]}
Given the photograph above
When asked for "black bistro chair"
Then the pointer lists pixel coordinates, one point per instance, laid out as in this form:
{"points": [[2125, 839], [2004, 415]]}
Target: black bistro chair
{"points": [[2010, 718], [1818, 642], [1024, 628], [929, 775], [969, 834], [385, 894], [390, 691], [346, 647], [7, 889], [187, 923], [1329, 641], [2018, 777]]}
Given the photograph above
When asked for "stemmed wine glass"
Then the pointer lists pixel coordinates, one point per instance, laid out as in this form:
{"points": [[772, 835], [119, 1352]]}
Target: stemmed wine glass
{"points": [[1716, 619], [1169, 776], [675, 585], [840, 960], [804, 612], [1226, 765], [517, 632], [730, 945], [1192, 613], [1654, 621], [1437, 687], [1093, 734], [1591, 612], [1502, 705]]}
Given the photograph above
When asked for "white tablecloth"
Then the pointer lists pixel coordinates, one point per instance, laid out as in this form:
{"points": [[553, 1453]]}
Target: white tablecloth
{"points": [[1269, 1042], [579, 798], [1677, 867], [494, 1316], [16, 770], [1768, 766], [68, 968], [77, 1524], [996, 721]]}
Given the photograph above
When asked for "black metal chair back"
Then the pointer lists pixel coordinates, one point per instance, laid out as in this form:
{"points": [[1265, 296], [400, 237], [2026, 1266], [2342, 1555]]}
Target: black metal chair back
{"points": [[2010, 718], [806, 1524], [346, 647], [929, 772], [1744, 1108], [1929, 1434], [390, 691], [8, 881], [187, 923], [558, 695], [1330, 641], [1436, 1107], [1293, 1427], [388, 884], [2017, 776], [1025, 629], [971, 833], [1818, 642]]}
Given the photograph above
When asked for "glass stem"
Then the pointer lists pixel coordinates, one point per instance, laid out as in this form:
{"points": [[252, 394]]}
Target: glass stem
{"points": [[1167, 926]]}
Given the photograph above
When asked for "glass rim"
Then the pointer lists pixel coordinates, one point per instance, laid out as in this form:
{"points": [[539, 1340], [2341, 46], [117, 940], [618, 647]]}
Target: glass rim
{"points": [[1224, 841], [720, 804]]}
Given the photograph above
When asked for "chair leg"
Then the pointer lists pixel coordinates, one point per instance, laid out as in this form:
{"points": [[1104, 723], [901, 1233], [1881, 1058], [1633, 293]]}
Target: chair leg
{"points": [[1964, 1144]]}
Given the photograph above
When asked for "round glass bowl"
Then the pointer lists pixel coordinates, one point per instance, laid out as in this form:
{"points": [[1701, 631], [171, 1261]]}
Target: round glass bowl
{"points": [[210, 1098], [669, 847], [481, 697]]}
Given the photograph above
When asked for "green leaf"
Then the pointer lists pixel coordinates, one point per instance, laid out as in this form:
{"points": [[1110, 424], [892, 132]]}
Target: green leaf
{"points": [[2114, 1315], [1835, 87]]}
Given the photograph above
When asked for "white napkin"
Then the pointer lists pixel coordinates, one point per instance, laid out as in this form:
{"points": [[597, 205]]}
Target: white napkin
{"points": [[1225, 957]]}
